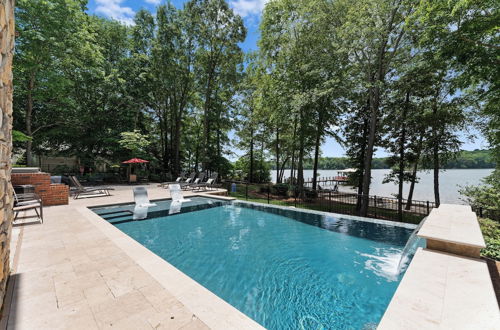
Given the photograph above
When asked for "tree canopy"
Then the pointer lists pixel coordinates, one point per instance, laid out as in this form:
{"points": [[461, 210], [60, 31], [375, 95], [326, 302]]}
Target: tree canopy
{"points": [[410, 77]]}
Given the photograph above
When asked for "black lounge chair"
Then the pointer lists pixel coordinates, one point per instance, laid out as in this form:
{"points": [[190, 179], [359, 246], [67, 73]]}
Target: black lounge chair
{"points": [[165, 184], [25, 202], [187, 181], [88, 191], [198, 180], [208, 185]]}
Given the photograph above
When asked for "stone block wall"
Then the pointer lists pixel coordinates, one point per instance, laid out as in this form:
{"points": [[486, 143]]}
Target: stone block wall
{"points": [[51, 194], [6, 52]]}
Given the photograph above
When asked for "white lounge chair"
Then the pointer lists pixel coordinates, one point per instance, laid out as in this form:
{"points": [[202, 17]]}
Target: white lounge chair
{"points": [[177, 198], [142, 203]]}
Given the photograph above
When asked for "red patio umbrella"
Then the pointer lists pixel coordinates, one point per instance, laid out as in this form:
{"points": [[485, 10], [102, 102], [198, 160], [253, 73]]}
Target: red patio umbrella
{"points": [[134, 161]]}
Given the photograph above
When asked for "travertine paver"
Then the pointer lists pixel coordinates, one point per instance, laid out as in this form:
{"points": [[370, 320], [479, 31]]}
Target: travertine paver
{"points": [[71, 276], [455, 225], [443, 291]]}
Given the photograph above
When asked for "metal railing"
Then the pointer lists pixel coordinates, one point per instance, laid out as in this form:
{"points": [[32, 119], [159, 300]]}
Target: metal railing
{"points": [[330, 201]]}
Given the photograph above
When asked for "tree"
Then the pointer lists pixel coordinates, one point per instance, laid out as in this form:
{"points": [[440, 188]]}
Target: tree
{"points": [[47, 46], [217, 66], [373, 34], [135, 142]]}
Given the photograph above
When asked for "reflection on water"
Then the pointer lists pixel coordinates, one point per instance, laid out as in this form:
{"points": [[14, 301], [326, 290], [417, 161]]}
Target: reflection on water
{"points": [[363, 229], [313, 273], [450, 182]]}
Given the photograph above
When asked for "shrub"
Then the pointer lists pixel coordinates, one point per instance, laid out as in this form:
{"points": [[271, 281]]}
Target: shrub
{"points": [[264, 189], [486, 196], [491, 233], [310, 194], [280, 189]]}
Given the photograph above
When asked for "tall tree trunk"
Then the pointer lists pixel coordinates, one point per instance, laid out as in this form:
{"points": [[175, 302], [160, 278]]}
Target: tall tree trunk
{"points": [[261, 179], [300, 166], [282, 169], [361, 165], [435, 156], [176, 161], [163, 145], [278, 179], [206, 119], [377, 78], [196, 157], [401, 171], [319, 132], [250, 175], [435, 151], [413, 178], [219, 148], [292, 176], [29, 116], [367, 167]]}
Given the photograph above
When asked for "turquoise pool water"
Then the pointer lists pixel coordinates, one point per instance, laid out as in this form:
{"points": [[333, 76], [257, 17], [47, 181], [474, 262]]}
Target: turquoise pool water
{"points": [[284, 269]]}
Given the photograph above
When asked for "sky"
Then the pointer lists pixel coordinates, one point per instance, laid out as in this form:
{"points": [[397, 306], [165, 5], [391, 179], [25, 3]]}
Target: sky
{"points": [[250, 10]]}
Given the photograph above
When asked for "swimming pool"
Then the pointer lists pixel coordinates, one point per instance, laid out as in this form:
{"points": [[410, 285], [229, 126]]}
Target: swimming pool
{"points": [[284, 268]]}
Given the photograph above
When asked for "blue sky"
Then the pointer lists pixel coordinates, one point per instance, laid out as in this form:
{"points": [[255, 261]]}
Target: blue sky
{"points": [[250, 10]]}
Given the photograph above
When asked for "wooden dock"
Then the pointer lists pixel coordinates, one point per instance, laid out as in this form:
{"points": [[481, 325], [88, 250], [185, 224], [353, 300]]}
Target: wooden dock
{"points": [[334, 181]]}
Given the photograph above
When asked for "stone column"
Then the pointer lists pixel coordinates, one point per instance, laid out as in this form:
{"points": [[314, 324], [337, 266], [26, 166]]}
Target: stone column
{"points": [[7, 28]]}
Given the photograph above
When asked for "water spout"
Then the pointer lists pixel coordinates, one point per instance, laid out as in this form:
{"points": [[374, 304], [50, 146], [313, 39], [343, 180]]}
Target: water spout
{"points": [[411, 247]]}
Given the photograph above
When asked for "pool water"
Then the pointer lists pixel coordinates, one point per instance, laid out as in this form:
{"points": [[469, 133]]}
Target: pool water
{"points": [[284, 269]]}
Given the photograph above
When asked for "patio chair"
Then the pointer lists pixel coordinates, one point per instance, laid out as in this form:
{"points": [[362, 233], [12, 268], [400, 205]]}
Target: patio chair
{"points": [[164, 184], [198, 180], [142, 203], [86, 191], [177, 199], [206, 185], [25, 202]]}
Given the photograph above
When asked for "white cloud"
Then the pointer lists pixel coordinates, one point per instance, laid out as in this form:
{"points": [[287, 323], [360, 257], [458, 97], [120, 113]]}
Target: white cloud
{"points": [[114, 9], [153, 2], [246, 8]]}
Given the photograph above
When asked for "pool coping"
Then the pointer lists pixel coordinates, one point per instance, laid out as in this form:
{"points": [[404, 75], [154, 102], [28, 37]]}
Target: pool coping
{"points": [[207, 306]]}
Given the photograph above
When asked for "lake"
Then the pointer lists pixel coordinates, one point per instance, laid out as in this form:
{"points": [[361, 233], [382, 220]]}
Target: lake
{"points": [[449, 183]]}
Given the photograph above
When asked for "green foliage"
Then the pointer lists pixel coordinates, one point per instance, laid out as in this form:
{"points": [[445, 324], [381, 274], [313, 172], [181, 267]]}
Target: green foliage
{"points": [[472, 159], [135, 142], [18, 136], [81, 81], [486, 196], [403, 76], [464, 160], [63, 170], [261, 170], [491, 233], [280, 189]]}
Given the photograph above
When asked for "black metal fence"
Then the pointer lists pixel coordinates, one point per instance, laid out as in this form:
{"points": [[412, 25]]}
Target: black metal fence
{"points": [[330, 201], [483, 212]]}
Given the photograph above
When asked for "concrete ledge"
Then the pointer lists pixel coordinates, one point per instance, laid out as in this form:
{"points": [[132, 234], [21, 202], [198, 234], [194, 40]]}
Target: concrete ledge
{"points": [[443, 291], [454, 229]]}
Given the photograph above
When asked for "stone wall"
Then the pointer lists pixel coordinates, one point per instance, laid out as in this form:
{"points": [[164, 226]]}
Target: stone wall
{"points": [[6, 52]]}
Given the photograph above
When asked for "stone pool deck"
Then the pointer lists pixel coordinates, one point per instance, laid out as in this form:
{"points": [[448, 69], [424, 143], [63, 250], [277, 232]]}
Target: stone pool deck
{"points": [[76, 271], [446, 285]]}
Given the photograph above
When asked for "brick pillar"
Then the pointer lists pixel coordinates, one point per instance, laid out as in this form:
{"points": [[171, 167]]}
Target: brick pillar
{"points": [[6, 201]]}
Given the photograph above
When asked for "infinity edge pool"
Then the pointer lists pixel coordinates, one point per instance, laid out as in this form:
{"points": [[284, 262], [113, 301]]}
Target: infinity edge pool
{"points": [[210, 308]]}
